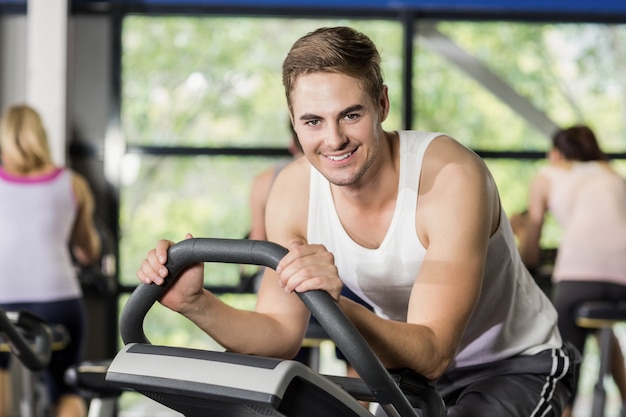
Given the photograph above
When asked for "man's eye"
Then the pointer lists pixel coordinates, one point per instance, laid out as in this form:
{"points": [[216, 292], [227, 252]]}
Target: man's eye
{"points": [[352, 116], [313, 122]]}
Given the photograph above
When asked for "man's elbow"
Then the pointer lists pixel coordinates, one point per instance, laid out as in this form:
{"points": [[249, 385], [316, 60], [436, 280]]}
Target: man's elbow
{"points": [[438, 368]]}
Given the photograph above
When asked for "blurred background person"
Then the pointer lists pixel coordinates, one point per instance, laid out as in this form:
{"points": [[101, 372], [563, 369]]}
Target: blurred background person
{"points": [[588, 200], [261, 189], [46, 217]]}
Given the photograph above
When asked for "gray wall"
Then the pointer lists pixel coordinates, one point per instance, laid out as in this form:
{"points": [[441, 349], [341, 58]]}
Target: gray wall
{"points": [[12, 59]]}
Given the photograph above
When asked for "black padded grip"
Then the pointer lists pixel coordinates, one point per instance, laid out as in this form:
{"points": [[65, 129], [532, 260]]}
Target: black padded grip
{"points": [[183, 254]]}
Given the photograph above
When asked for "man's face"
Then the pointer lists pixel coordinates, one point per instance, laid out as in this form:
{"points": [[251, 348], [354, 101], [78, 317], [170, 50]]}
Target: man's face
{"points": [[338, 124]]}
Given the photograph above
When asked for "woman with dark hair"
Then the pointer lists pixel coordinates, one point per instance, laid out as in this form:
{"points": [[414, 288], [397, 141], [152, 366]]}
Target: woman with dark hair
{"points": [[588, 200]]}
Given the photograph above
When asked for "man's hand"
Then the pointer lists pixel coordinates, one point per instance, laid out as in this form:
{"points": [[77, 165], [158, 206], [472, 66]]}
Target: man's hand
{"points": [[309, 267], [180, 295]]}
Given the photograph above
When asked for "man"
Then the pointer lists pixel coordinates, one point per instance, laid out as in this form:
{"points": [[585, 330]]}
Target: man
{"points": [[409, 221]]}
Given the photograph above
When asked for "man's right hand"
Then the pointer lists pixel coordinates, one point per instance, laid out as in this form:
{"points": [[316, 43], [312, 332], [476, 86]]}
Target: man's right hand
{"points": [[180, 295]]}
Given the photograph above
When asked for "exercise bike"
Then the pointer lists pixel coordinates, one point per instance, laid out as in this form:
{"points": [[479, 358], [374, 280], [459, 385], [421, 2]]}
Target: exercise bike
{"points": [[200, 383], [31, 340]]}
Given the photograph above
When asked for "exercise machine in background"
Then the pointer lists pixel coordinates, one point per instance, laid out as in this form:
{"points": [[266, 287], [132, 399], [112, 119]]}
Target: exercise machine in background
{"points": [[31, 340]]}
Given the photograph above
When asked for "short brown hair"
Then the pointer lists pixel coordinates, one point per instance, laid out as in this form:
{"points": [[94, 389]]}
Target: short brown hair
{"points": [[340, 50]]}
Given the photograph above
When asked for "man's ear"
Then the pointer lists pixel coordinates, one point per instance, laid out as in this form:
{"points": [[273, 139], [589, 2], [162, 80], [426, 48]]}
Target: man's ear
{"points": [[383, 103]]}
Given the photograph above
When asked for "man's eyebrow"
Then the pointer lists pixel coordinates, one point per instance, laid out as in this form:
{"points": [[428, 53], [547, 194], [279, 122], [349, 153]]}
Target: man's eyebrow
{"points": [[309, 116], [343, 113], [351, 109]]}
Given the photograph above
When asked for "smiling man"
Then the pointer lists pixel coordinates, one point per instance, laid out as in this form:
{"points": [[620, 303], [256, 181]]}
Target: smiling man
{"points": [[411, 222]]}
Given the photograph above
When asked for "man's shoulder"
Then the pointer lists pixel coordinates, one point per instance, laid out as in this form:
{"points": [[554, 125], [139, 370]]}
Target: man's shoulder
{"points": [[417, 141], [448, 161]]}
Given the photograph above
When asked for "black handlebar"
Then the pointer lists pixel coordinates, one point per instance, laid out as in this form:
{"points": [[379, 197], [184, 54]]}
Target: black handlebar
{"points": [[182, 254], [28, 336], [322, 306]]}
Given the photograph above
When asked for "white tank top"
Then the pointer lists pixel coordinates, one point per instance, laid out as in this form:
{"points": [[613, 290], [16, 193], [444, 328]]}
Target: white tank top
{"points": [[36, 219], [589, 202], [512, 317]]}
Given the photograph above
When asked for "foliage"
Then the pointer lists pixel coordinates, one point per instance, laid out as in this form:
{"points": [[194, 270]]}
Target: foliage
{"points": [[217, 81]]}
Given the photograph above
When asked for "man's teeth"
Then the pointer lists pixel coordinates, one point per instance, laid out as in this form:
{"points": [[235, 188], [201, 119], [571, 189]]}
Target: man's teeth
{"points": [[339, 157]]}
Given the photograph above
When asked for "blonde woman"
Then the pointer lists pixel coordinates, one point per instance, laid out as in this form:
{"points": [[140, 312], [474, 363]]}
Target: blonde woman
{"points": [[46, 216]]}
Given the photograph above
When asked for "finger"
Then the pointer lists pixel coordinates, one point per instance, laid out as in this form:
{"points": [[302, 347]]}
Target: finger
{"points": [[161, 250], [154, 262], [300, 258], [313, 283], [143, 277], [328, 283], [331, 284], [157, 265], [148, 273], [294, 253], [309, 278]]}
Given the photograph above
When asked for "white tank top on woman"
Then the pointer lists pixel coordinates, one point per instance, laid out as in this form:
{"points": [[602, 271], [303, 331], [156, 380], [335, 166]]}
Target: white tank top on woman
{"points": [[589, 202], [36, 220], [512, 317]]}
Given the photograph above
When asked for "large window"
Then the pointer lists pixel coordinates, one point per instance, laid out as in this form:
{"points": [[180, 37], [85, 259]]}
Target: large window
{"points": [[196, 88], [214, 83]]}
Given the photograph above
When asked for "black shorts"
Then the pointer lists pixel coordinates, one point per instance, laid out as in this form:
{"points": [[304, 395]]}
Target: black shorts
{"points": [[526, 386], [523, 386], [569, 295]]}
